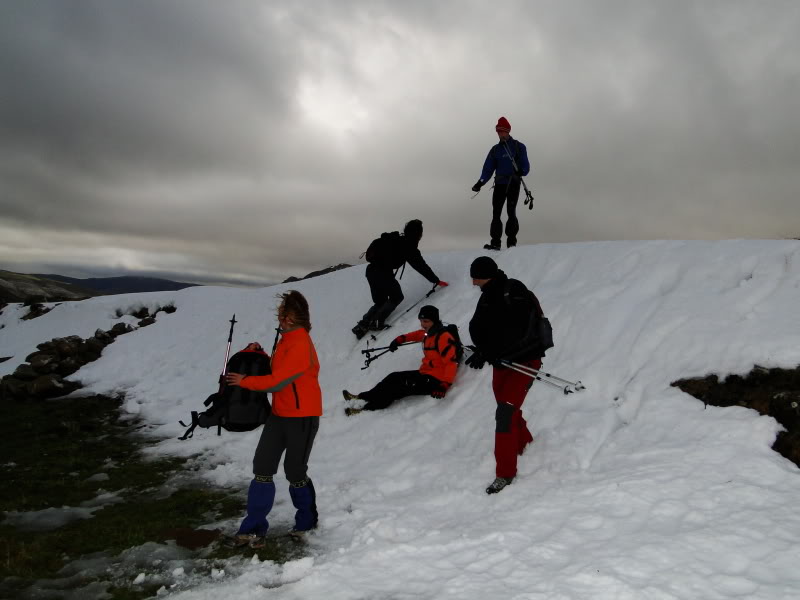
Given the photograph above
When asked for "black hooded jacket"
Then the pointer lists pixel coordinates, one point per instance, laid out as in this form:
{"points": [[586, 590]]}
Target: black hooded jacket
{"points": [[406, 250], [499, 326]]}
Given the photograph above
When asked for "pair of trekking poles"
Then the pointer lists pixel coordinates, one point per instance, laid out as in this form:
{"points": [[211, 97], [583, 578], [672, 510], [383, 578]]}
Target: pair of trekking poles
{"points": [[569, 387], [386, 349]]}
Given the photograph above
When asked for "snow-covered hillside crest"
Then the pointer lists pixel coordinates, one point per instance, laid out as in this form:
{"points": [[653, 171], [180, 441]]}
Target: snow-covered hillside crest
{"points": [[632, 489]]}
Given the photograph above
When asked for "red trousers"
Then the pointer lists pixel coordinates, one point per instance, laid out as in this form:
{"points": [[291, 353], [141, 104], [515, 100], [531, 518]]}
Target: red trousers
{"points": [[511, 431]]}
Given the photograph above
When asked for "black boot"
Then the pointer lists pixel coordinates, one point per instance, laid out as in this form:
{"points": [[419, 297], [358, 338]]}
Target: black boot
{"points": [[360, 329], [498, 484]]}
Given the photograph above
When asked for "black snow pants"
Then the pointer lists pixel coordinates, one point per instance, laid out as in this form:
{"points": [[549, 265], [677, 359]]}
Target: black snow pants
{"points": [[508, 194], [386, 295], [399, 385]]}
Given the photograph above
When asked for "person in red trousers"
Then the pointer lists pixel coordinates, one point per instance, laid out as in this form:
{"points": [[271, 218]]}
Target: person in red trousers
{"points": [[501, 331]]}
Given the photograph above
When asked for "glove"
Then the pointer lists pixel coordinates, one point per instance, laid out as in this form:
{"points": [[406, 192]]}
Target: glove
{"points": [[475, 361], [442, 283], [441, 392], [517, 171], [477, 187], [495, 362], [393, 346]]}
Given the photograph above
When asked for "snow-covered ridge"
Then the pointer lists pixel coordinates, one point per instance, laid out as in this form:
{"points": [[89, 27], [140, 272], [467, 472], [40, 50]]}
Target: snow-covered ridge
{"points": [[631, 490]]}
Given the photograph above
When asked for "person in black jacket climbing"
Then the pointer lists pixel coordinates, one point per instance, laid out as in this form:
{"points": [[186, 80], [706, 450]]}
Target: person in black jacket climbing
{"points": [[385, 255]]}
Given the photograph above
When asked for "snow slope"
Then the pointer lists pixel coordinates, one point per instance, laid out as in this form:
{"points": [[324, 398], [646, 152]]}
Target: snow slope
{"points": [[632, 490]]}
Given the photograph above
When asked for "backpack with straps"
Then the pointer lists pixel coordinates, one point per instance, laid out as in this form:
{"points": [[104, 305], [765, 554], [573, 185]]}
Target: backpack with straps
{"points": [[452, 329], [538, 333], [387, 250], [235, 408]]}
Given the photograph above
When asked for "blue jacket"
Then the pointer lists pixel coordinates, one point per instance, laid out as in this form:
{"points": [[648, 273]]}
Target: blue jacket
{"points": [[499, 162]]}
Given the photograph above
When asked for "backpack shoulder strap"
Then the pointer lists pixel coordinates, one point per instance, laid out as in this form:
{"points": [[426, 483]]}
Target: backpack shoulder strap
{"points": [[507, 297], [454, 341]]}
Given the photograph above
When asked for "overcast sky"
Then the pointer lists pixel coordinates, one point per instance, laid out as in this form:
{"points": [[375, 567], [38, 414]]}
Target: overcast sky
{"points": [[248, 141]]}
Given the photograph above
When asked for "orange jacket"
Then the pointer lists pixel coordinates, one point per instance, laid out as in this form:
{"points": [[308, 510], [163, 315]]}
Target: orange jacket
{"points": [[438, 360], [294, 381]]}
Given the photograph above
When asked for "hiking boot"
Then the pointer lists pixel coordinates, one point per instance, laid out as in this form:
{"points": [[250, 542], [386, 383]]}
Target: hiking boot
{"points": [[511, 243], [360, 330], [349, 411], [348, 396], [300, 534], [498, 484], [240, 540], [491, 246]]}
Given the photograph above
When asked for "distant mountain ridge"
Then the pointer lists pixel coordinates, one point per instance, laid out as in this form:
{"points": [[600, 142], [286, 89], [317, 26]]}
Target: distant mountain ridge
{"points": [[121, 285], [19, 287], [50, 287], [22, 287]]}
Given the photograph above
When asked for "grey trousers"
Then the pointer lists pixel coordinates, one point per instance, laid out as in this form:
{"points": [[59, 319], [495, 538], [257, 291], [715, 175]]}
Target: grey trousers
{"points": [[293, 435]]}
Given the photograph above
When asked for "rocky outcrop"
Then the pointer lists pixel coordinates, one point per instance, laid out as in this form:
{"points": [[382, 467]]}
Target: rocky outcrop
{"points": [[43, 374], [324, 271], [36, 310], [774, 392]]}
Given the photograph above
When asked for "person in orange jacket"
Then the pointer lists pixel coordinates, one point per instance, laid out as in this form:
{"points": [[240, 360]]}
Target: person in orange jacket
{"points": [[435, 374], [291, 428]]}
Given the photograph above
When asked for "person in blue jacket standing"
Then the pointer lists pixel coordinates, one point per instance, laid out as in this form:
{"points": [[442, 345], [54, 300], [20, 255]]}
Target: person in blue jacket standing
{"points": [[501, 161]]}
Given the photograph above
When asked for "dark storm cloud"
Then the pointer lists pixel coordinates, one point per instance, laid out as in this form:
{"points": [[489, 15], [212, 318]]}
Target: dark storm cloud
{"points": [[155, 85], [266, 139]]}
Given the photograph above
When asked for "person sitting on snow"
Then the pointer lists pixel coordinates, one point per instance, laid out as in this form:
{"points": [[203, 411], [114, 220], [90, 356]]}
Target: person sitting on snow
{"points": [[435, 374]]}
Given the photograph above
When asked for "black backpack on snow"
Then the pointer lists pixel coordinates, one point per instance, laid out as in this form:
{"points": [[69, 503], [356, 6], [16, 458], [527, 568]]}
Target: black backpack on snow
{"points": [[387, 250], [234, 408]]}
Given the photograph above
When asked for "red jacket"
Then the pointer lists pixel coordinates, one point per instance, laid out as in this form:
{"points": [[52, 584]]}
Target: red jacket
{"points": [[439, 359], [294, 381]]}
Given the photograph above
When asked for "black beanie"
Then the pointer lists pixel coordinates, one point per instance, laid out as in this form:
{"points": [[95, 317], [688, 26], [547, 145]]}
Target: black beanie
{"points": [[483, 267], [429, 312]]}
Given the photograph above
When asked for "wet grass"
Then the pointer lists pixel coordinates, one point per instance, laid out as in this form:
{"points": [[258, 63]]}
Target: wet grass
{"points": [[60, 453]]}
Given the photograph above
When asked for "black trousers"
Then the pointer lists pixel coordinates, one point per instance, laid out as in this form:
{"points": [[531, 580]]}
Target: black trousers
{"points": [[399, 385], [295, 436], [508, 194], [386, 294]]}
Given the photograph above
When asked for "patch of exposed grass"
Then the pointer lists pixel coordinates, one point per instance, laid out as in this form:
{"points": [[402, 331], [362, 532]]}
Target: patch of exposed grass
{"points": [[53, 448], [53, 452], [38, 555]]}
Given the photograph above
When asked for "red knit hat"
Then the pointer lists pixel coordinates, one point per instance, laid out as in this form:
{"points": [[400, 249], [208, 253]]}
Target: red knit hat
{"points": [[503, 125]]}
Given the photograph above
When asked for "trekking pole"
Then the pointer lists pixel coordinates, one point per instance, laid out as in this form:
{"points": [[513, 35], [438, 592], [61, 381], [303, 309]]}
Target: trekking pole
{"points": [[228, 349], [528, 196], [368, 350], [569, 387], [191, 427], [433, 289], [385, 349]]}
